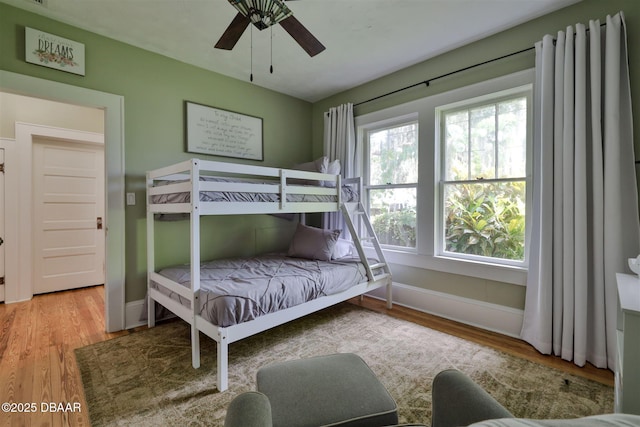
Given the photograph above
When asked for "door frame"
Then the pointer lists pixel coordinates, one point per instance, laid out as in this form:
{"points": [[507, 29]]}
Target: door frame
{"points": [[2, 222], [113, 106]]}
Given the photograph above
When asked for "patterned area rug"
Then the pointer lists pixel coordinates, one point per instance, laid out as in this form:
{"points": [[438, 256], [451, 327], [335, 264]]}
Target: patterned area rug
{"points": [[146, 378]]}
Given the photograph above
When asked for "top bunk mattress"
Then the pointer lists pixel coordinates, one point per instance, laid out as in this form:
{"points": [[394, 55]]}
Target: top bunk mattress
{"points": [[237, 290], [349, 194]]}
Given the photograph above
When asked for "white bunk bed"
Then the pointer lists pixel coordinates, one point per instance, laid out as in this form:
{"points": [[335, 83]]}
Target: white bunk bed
{"points": [[184, 188]]}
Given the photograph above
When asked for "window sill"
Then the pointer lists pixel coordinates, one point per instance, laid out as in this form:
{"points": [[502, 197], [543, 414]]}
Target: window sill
{"points": [[481, 270]]}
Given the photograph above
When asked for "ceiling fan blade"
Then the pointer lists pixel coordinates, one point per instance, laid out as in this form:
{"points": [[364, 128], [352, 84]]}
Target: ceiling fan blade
{"points": [[305, 39], [233, 32]]}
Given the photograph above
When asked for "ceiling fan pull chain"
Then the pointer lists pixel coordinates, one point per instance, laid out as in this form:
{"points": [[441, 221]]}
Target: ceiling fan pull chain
{"points": [[271, 67], [251, 76]]}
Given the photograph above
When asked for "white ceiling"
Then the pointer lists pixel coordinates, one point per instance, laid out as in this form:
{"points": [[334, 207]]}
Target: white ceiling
{"points": [[365, 39]]}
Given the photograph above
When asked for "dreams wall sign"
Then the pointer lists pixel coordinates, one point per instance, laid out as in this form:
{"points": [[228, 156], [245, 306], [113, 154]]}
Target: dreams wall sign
{"points": [[52, 51]]}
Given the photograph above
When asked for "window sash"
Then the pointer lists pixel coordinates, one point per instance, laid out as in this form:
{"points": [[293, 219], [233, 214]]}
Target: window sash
{"points": [[470, 219], [496, 132], [441, 229], [485, 180], [402, 230], [387, 127], [389, 186]]}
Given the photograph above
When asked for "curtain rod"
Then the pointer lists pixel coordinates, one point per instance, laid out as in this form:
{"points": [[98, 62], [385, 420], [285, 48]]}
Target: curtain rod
{"points": [[428, 81]]}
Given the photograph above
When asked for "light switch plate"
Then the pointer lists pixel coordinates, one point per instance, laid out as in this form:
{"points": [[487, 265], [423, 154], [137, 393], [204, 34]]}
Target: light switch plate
{"points": [[131, 199]]}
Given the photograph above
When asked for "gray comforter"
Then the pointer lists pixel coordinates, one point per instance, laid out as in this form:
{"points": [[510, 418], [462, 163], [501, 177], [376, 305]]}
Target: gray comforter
{"points": [[238, 290]]}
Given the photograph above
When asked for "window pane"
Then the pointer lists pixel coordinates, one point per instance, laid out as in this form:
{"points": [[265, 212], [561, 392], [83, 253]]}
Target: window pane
{"points": [[393, 155], [482, 144], [486, 219], [457, 146], [393, 216], [512, 138], [471, 136]]}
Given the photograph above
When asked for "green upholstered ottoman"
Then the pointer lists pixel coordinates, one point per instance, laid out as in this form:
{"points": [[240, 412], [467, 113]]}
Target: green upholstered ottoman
{"points": [[336, 390]]}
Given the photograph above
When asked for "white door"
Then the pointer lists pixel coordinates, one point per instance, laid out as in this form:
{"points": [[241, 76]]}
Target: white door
{"points": [[2, 216], [68, 213]]}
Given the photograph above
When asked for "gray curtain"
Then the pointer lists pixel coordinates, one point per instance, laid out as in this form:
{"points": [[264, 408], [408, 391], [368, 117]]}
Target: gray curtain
{"points": [[585, 210], [340, 144]]}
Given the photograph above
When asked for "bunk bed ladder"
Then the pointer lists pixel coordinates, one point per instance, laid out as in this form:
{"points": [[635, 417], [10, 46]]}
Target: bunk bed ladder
{"points": [[369, 235]]}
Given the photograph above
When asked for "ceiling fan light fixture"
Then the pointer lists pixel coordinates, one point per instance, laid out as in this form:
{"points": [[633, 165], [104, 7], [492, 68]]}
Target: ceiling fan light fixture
{"points": [[262, 13], [265, 14]]}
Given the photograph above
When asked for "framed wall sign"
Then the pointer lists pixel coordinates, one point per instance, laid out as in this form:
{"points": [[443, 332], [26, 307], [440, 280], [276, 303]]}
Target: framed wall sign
{"points": [[220, 132], [52, 51]]}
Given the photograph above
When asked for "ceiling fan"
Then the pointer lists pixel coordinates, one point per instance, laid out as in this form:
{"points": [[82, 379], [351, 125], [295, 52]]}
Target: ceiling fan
{"points": [[263, 14]]}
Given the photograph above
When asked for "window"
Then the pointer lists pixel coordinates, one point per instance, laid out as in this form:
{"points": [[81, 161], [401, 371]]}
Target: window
{"points": [[432, 163], [391, 182], [483, 178]]}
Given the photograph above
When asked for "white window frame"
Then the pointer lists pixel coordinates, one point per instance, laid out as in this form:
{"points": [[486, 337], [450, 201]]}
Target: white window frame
{"points": [[521, 91], [377, 126], [425, 256]]}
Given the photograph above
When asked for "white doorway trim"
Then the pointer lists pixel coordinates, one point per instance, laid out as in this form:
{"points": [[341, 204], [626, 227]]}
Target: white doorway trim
{"points": [[113, 106], [11, 233], [2, 224]]}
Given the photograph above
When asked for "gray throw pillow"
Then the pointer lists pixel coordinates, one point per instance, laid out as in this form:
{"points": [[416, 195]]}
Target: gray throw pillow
{"points": [[313, 243]]}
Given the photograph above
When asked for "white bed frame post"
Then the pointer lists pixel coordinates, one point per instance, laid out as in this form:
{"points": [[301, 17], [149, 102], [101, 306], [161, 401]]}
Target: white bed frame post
{"points": [[222, 345], [283, 189], [195, 261], [151, 263]]}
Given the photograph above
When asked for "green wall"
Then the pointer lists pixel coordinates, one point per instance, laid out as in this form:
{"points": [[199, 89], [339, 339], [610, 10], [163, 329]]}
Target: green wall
{"points": [[154, 88], [513, 40]]}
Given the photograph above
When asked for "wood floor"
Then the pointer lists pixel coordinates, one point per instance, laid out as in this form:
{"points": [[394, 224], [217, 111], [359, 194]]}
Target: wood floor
{"points": [[38, 372], [38, 366]]}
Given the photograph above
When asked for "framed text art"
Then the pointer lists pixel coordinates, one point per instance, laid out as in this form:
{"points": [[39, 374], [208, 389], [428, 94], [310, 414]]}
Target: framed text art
{"points": [[52, 51], [220, 132]]}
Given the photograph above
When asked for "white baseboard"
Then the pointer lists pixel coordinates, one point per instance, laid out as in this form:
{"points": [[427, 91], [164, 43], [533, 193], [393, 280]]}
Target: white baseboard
{"points": [[492, 317], [132, 312], [134, 309]]}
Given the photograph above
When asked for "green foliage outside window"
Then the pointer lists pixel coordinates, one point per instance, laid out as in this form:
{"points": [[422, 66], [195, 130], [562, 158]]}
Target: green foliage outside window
{"points": [[486, 219], [396, 228]]}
